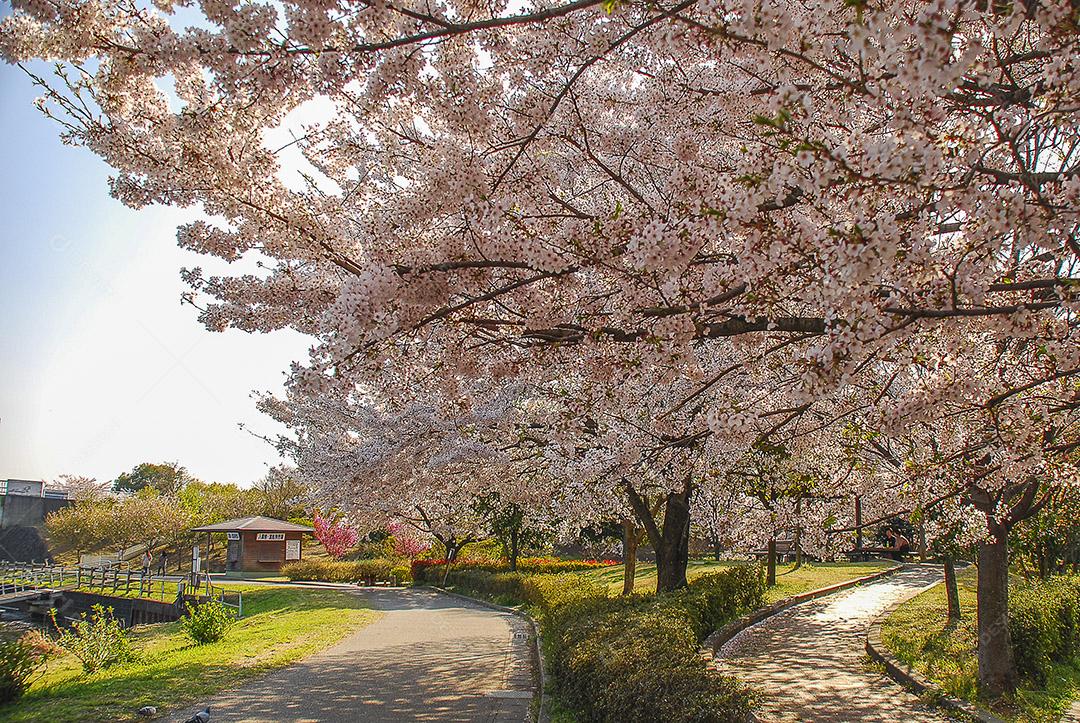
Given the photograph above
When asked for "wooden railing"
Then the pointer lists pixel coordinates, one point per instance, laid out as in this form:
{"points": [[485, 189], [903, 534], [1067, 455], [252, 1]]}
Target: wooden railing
{"points": [[199, 586], [18, 577]]}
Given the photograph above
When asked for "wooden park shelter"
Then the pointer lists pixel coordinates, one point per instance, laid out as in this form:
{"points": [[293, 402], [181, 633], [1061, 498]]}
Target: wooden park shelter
{"points": [[259, 544]]}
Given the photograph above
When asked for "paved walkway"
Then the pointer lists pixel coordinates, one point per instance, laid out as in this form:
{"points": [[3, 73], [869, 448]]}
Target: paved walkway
{"points": [[429, 657], [810, 660]]}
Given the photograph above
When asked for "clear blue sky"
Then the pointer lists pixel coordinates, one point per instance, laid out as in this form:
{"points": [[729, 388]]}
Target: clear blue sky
{"points": [[101, 366]]}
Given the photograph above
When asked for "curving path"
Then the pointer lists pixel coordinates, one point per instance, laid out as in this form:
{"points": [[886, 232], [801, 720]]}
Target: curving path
{"points": [[810, 664], [429, 657]]}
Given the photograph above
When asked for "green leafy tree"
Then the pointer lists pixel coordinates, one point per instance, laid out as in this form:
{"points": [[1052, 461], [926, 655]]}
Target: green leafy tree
{"points": [[515, 527], [168, 478], [1048, 543]]}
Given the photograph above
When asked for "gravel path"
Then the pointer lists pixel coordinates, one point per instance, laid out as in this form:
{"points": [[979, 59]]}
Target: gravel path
{"points": [[429, 657], [810, 663]]}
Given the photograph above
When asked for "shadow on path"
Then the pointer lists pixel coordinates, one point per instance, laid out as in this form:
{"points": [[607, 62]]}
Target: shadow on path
{"points": [[810, 662], [429, 657]]}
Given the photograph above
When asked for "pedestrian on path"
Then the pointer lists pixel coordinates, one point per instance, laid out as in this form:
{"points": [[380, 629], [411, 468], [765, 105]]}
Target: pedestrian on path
{"points": [[147, 560], [163, 563]]}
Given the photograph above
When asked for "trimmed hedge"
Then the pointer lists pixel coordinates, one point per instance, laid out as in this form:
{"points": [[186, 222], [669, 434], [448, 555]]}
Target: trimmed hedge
{"points": [[632, 659], [636, 658], [1044, 623], [367, 571], [431, 571]]}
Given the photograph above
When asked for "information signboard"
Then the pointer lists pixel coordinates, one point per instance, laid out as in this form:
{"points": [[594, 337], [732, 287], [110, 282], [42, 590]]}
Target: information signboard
{"points": [[292, 549]]}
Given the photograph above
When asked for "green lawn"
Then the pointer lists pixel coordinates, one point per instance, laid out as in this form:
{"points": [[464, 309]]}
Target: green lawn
{"points": [[918, 634], [280, 625], [789, 581]]}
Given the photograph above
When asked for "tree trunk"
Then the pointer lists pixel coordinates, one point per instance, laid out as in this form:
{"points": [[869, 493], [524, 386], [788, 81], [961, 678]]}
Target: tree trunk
{"points": [[770, 574], [951, 591], [716, 548], [452, 550], [797, 541], [672, 541], [630, 545], [858, 528], [672, 552], [515, 548], [997, 669]]}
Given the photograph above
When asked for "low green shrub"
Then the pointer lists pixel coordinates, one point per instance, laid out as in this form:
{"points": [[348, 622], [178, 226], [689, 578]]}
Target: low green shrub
{"points": [[367, 571], [96, 639], [636, 658], [1044, 623], [632, 659], [207, 622], [20, 658], [431, 571], [402, 573], [369, 550]]}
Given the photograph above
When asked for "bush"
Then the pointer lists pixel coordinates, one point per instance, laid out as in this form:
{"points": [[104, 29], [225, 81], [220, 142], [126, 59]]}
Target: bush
{"points": [[401, 573], [372, 550], [1044, 623], [631, 658], [636, 658], [430, 571], [96, 639], [207, 622], [20, 658], [369, 571]]}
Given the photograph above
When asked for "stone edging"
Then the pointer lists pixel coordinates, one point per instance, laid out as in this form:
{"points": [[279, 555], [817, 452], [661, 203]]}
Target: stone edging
{"points": [[911, 678], [541, 710], [712, 644]]}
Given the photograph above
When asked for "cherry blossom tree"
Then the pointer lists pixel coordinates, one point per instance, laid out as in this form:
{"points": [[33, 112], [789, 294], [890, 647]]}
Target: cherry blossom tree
{"points": [[744, 210], [81, 488]]}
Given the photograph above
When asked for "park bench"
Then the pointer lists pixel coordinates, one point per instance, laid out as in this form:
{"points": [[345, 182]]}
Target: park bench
{"points": [[785, 550]]}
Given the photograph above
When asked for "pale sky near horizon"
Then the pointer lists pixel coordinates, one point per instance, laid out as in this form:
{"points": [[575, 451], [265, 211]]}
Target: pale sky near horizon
{"points": [[102, 367]]}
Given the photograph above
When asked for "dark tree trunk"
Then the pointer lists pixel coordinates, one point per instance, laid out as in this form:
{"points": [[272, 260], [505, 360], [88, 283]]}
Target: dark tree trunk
{"points": [[952, 594], [770, 565], [453, 547], [716, 548], [672, 553], [515, 548], [630, 545], [797, 541], [672, 541], [858, 528], [997, 671]]}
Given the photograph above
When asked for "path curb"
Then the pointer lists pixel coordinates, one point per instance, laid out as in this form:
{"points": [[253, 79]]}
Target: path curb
{"points": [[911, 678], [710, 647], [541, 709]]}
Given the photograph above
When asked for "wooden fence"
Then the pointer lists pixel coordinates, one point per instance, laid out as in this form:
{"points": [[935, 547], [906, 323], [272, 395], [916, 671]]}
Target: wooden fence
{"points": [[118, 583]]}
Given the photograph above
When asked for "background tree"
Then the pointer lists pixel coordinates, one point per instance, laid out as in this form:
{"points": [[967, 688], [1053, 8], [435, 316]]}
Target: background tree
{"points": [[516, 525], [81, 488], [80, 527], [1048, 543], [168, 478]]}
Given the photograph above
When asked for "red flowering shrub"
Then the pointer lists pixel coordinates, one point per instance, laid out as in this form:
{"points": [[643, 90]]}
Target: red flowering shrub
{"points": [[337, 537]]}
